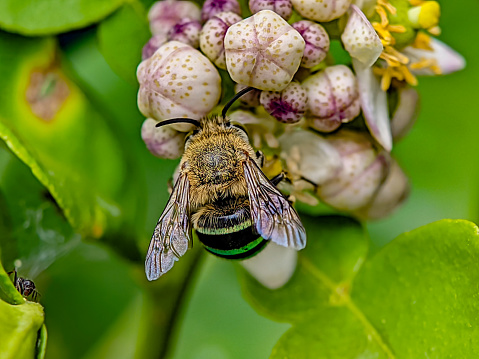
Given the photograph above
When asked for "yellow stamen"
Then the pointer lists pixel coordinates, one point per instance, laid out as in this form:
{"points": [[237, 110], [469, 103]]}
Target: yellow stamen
{"points": [[422, 41], [397, 28], [427, 63]]}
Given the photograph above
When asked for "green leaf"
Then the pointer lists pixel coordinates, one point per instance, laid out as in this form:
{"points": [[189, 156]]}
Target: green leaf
{"points": [[36, 231], [49, 124], [122, 37], [21, 322], [45, 17], [417, 297]]}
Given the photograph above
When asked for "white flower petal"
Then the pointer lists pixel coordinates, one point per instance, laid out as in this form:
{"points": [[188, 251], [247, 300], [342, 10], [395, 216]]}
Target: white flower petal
{"points": [[360, 39], [374, 104], [273, 266], [447, 59]]}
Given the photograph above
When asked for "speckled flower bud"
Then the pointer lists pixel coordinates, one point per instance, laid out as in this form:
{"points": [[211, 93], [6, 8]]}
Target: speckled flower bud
{"points": [[283, 8], [163, 15], [333, 96], [213, 7], [186, 31], [250, 98], [392, 192], [152, 45], [263, 51], [317, 42], [163, 142], [287, 106], [212, 36], [323, 11], [363, 170], [177, 81]]}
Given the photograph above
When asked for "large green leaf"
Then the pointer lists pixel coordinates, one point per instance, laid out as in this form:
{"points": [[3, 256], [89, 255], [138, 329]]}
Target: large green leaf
{"points": [[49, 124], [416, 298], [122, 37], [44, 17], [36, 232]]}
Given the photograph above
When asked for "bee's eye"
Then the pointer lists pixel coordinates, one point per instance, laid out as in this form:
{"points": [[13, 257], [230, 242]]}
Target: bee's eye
{"points": [[240, 127], [190, 135]]}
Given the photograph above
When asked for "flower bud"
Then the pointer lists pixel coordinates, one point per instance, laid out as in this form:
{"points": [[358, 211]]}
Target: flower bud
{"points": [[152, 45], [263, 51], [212, 36], [163, 15], [250, 98], [213, 7], [273, 266], [287, 106], [261, 129], [333, 96], [392, 192], [186, 31], [283, 8], [177, 81], [310, 156], [363, 170], [322, 11], [317, 42], [163, 142], [406, 112]]}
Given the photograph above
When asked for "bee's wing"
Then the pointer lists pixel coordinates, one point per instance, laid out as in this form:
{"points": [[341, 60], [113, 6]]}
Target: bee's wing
{"points": [[272, 215], [171, 237]]}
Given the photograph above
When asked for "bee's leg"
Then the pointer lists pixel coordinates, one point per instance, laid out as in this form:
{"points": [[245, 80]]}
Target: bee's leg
{"points": [[277, 179], [15, 278], [260, 157]]}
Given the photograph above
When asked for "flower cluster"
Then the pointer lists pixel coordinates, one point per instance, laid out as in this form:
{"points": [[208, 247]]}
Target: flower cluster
{"points": [[329, 124]]}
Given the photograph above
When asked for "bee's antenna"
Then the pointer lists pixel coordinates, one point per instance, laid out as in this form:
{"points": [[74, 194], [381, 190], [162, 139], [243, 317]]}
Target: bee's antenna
{"points": [[179, 120], [232, 101]]}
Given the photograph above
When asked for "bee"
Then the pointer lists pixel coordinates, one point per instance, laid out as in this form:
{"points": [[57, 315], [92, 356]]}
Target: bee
{"points": [[25, 287], [224, 195]]}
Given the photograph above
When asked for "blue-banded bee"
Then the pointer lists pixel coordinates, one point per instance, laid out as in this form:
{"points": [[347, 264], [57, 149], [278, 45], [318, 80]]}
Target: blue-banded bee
{"points": [[223, 194], [25, 287]]}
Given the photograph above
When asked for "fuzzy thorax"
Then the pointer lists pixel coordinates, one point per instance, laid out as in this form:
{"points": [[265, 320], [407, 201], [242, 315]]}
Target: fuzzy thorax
{"points": [[213, 158]]}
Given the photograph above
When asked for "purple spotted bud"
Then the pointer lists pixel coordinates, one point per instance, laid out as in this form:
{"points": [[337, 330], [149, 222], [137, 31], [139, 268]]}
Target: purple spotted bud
{"points": [[323, 10], [287, 106], [263, 51], [392, 193], [363, 169], [186, 31], [317, 42], [213, 7], [250, 98], [163, 142], [177, 81], [333, 97], [152, 45], [163, 15], [212, 36], [283, 8]]}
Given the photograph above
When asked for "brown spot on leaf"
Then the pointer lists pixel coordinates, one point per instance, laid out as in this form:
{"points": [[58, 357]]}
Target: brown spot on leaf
{"points": [[46, 93]]}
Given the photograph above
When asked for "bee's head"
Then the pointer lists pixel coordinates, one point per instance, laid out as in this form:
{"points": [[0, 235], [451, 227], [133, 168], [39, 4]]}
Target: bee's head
{"points": [[211, 124]]}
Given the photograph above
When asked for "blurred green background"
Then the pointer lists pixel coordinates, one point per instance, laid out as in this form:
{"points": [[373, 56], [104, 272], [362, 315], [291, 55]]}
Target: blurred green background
{"points": [[97, 300]]}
